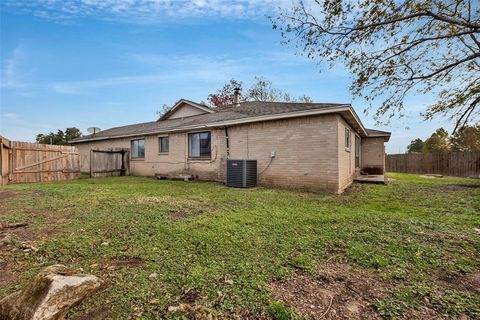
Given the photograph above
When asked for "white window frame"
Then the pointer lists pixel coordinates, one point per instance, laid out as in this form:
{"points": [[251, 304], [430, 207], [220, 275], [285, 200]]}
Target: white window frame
{"points": [[348, 140], [189, 145], [131, 149]]}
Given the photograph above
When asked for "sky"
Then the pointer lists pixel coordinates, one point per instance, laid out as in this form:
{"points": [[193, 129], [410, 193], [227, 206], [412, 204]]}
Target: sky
{"points": [[108, 63]]}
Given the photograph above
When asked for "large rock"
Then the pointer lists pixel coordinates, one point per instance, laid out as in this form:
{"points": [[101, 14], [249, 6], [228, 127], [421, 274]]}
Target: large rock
{"points": [[49, 295]]}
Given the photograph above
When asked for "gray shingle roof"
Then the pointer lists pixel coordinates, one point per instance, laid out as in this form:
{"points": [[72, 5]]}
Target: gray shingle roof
{"points": [[231, 112], [374, 132]]}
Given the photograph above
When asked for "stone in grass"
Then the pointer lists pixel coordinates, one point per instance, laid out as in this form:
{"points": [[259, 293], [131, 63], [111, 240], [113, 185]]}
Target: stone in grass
{"points": [[49, 295]]}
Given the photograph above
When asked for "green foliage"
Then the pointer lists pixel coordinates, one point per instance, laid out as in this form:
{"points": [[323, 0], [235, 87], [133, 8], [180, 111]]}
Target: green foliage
{"points": [[60, 137], [467, 138], [438, 142], [279, 311], [395, 49], [415, 145], [219, 248]]}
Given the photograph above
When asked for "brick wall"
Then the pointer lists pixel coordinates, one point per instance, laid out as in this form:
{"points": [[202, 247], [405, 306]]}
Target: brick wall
{"points": [[173, 163], [346, 156], [310, 153], [306, 151], [373, 154]]}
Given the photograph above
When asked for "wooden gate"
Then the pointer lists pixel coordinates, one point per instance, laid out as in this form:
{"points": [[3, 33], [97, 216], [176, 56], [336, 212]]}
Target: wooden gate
{"points": [[34, 162], [109, 162]]}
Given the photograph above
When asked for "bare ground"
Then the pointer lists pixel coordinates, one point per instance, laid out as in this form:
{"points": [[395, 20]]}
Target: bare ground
{"points": [[335, 291], [24, 239]]}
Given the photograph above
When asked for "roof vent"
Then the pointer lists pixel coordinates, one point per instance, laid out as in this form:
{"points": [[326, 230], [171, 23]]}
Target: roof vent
{"points": [[236, 96]]}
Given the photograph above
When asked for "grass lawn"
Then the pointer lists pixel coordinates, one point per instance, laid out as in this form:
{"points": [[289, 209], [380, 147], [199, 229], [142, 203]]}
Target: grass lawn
{"points": [[169, 249]]}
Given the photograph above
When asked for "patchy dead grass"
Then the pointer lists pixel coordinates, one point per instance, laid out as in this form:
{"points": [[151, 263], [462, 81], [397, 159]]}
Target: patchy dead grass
{"points": [[168, 200], [465, 281], [334, 291], [122, 262], [7, 195]]}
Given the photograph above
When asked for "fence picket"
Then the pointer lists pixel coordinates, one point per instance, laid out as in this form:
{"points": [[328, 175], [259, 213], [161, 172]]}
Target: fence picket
{"points": [[461, 164]]}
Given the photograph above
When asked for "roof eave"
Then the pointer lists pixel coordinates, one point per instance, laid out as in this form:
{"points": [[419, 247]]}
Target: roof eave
{"points": [[179, 103], [337, 109]]}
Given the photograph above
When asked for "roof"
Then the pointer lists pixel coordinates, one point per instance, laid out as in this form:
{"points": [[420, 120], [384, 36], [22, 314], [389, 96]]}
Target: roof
{"points": [[379, 133], [180, 103], [245, 112]]}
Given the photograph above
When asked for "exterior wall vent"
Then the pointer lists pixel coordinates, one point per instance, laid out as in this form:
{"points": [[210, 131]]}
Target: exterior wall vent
{"points": [[241, 173]]}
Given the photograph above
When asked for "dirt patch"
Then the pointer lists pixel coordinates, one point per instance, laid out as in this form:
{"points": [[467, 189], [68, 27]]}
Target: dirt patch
{"points": [[7, 276], [178, 208], [172, 201], [122, 262], [459, 187], [6, 195], [178, 215], [336, 291], [24, 240], [98, 313], [466, 282]]}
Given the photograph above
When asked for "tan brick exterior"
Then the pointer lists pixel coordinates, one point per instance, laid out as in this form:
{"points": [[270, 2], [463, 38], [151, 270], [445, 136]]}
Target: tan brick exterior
{"points": [[346, 156], [373, 154], [309, 153], [305, 150]]}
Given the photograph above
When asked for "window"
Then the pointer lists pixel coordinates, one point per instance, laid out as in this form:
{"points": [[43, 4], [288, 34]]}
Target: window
{"points": [[199, 145], [163, 144], [347, 138], [357, 152], [138, 148]]}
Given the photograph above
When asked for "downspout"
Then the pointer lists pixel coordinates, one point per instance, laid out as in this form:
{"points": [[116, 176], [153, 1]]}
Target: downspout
{"points": [[228, 143]]}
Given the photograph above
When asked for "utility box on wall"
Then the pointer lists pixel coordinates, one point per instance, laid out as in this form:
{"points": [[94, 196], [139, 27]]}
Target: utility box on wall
{"points": [[241, 173]]}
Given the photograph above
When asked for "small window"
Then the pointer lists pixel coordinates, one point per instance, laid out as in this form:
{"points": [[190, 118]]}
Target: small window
{"points": [[138, 148], [357, 152], [347, 138], [199, 145], [163, 144]]}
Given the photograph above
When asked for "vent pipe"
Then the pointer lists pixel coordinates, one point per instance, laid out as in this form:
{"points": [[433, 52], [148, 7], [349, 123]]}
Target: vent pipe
{"points": [[236, 96]]}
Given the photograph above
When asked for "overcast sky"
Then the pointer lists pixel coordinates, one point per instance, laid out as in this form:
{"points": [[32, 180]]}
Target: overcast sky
{"points": [[109, 63]]}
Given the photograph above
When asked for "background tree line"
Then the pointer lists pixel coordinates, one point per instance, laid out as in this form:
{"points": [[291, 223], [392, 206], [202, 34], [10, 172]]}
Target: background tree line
{"points": [[261, 89], [465, 139], [60, 137]]}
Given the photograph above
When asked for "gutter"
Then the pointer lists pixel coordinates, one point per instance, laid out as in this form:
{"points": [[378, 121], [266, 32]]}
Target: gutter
{"points": [[236, 122]]}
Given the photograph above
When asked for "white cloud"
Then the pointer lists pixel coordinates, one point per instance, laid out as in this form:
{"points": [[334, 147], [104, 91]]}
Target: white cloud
{"points": [[144, 11], [10, 115], [10, 77]]}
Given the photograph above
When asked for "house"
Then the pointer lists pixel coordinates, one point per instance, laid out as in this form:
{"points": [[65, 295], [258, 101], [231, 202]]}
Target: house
{"points": [[314, 146]]}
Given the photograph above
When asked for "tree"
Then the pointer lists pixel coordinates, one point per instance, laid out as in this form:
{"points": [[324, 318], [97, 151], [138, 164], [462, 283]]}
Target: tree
{"points": [[60, 137], [164, 109], [396, 48], [261, 90], [438, 142], [72, 133], [467, 138], [225, 95], [415, 145]]}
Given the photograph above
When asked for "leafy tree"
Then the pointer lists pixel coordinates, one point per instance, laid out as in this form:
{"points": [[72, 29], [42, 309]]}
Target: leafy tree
{"points": [[72, 133], [396, 48], [261, 90], [60, 137], [225, 95], [164, 109], [415, 145], [438, 142], [467, 138]]}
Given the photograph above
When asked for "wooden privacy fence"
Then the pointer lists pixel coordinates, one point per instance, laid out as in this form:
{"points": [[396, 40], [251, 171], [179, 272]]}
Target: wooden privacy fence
{"points": [[109, 162], [460, 164], [34, 162]]}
